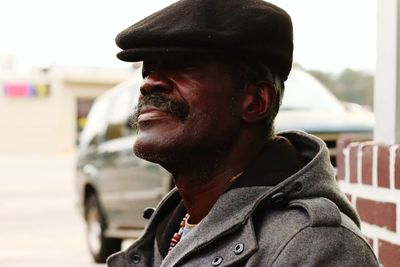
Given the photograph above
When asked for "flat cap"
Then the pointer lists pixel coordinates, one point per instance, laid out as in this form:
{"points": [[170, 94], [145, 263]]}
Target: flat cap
{"points": [[251, 28]]}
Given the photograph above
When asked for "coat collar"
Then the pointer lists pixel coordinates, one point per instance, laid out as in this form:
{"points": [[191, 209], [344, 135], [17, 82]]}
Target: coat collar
{"points": [[221, 222]]}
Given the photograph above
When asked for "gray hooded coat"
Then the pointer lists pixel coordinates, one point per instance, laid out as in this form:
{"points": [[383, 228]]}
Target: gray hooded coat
{"points": [[279, 213]]}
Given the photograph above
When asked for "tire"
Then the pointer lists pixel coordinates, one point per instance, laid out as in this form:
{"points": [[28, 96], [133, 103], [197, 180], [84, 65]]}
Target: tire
{"points": [[100, 247]]}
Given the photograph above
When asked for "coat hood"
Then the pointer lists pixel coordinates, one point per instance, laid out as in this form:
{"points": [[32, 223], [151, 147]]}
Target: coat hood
{"points": [[302, 171], [317, 178]]}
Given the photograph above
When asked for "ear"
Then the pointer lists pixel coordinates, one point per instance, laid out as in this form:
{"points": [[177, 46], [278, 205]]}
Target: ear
{"points": [[257, 101]]}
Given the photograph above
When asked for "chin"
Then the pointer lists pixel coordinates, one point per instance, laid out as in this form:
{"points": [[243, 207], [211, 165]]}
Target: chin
{"points": [[146, 151], [153, 150]]}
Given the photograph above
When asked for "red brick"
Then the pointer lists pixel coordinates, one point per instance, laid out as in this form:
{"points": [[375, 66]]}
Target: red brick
{"points": [[370, 241], [383, 166], [353, 164], [367, 165], [397, 170], [382, 214], [389, 254], [349, 197], [341, 144]]}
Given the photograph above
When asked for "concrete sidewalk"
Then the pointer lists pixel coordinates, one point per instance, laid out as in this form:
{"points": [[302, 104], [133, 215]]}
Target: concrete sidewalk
{"points": [[39, 222]]}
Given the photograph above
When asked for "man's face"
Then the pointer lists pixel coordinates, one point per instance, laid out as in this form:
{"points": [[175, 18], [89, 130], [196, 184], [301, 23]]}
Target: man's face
{"points": [[187, 107]]}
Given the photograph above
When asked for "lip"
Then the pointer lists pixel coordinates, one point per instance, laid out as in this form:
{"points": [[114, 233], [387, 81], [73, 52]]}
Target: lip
{"points": [[151, 114]]}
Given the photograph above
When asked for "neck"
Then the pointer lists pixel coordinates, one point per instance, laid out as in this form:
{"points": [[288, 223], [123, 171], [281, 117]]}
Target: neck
{"points": [[199, 198], [202, 181]]}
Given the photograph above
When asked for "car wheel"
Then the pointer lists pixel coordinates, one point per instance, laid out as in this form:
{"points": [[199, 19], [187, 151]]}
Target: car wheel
{"points": [[100, 246]]}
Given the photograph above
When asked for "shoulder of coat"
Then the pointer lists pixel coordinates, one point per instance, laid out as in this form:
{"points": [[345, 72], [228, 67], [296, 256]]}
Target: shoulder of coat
{"points": [[320, 211], [298, 213]]}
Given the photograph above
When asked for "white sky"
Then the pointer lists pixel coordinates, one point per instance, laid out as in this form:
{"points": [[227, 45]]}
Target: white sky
{"points": [[330, 35]]}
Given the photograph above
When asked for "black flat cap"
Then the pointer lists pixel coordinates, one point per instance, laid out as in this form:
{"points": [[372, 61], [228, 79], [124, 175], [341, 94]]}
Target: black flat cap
{"points": [[251, 28]]}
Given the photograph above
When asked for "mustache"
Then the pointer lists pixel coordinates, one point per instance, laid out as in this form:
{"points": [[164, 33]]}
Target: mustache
{"points": [[177, 109]]}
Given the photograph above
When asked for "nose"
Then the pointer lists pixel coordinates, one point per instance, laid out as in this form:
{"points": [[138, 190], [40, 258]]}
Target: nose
{"points": [[156, 83]]}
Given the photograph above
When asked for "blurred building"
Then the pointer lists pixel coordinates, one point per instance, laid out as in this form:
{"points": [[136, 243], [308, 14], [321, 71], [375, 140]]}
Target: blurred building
{"points": [[42, 112]]}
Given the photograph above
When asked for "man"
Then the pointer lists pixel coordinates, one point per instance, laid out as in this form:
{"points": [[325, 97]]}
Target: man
{"points": [[214, 73]]}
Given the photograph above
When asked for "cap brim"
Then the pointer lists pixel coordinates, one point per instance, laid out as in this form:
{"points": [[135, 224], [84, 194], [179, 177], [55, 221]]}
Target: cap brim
{"points": [[140, 54]]}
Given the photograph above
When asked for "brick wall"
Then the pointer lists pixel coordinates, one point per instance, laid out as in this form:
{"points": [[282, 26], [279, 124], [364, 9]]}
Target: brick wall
{"points": [[369, 174]]}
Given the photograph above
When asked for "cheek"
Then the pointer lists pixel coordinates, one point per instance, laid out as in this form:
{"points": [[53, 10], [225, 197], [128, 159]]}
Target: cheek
{"points": [[214, 119]]}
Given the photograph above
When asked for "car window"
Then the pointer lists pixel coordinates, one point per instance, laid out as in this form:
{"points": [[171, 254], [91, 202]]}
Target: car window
{"points": [[96, 123], [122, 107], [304, 92]]}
